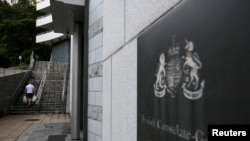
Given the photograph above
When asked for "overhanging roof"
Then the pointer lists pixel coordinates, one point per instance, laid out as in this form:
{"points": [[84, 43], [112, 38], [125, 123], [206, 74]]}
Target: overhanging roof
{"points": [[65, 13], [50, 37]]}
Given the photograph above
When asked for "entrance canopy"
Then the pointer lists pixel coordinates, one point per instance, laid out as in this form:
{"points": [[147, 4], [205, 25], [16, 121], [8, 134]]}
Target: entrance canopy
{"points": [[65, 13]]}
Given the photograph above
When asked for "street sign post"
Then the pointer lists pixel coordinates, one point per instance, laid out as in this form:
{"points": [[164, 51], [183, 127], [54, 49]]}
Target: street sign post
{"points": [[20, 58]]}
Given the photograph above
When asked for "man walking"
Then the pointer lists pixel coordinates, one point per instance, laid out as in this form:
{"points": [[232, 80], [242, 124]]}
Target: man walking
{"points": [[29, 90]]}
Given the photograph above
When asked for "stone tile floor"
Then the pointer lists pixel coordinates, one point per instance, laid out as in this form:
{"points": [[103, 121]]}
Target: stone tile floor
{"points": [[13, 126]]}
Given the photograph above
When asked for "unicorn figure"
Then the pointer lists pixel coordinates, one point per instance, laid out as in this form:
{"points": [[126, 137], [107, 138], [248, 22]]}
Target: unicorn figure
{"points": [[193, 62]]}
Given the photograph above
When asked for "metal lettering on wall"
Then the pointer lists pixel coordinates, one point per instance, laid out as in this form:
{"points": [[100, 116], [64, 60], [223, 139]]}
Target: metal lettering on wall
{"points": [[193, 71]]}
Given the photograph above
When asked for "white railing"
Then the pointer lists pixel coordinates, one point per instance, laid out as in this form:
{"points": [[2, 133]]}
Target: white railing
{"points": [[65, 82], [41, 86]]}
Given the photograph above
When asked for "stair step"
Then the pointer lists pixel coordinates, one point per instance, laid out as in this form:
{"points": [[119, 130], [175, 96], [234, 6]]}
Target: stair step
{"points": [[50, 105], [50, 101], [23, 112]]}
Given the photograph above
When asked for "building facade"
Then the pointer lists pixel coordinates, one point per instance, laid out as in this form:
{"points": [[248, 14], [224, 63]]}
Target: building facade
{"points": [[11, 2], [59, 42], [112, 87]]}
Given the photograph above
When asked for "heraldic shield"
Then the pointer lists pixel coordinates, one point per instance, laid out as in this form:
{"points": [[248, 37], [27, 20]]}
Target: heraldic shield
{"points": [[170, 73], [179, 70]]}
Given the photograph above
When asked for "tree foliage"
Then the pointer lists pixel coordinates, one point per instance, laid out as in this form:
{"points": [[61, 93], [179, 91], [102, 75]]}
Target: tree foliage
{"points": [[17, 32]]}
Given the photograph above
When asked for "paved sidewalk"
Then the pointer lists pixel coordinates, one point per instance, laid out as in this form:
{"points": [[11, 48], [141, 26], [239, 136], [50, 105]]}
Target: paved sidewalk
{"points": [[46, 132], [14, 126]]}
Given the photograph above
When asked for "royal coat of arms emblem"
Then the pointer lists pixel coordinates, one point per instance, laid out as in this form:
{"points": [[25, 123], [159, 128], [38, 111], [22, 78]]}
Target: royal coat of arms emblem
{"points": [[179, 71]]}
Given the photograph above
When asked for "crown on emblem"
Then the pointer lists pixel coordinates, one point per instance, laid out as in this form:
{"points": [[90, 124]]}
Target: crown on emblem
{"points": [[174, 48]]}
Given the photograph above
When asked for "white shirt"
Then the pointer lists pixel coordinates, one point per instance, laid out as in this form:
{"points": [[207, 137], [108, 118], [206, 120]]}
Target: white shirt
{"points": [[29, 88]]}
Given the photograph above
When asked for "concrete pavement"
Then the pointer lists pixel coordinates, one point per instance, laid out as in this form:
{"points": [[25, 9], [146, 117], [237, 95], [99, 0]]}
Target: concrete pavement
{"points": [[33, 127]]}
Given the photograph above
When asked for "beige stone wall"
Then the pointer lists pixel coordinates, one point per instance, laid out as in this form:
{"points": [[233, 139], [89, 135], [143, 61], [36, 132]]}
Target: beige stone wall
{"points": [[95, 71], [123, 22]]}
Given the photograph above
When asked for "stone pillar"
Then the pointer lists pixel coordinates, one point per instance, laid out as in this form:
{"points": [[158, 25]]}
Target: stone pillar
{"points": [[76, 70]]}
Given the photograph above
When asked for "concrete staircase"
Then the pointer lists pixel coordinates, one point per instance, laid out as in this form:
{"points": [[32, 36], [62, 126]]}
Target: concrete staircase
{"points": [[51, 100]]}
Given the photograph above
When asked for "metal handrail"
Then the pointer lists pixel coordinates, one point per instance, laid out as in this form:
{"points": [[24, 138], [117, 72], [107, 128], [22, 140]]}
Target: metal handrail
{"points": [[19, 87], [21, 83], [41, 86], [65, 82], [40, 89]]}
